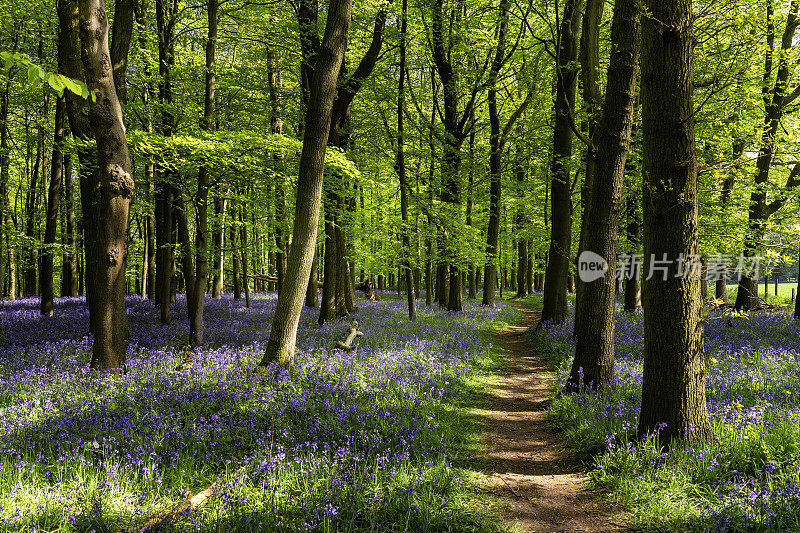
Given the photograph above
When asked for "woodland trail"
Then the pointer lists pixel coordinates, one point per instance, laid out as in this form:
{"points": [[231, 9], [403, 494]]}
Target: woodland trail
{"points": [[525, 463]]}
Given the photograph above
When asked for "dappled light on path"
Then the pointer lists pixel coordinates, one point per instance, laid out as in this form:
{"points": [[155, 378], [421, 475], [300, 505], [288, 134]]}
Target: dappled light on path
{"points": [[525, 463]]}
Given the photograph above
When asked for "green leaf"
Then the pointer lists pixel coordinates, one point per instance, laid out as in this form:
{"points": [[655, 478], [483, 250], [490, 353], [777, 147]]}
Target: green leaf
{"points": [[56, 82], [73, 86], [33, 74]]}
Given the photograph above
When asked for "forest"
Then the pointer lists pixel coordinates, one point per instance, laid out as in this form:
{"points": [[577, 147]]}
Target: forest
{"points": [[392, 265]]}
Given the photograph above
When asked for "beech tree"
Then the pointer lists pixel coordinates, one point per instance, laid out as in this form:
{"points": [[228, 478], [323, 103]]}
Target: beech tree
{"points": [[110, 190], [593, 364], [322, 91], [555, 283], [673, 385]]}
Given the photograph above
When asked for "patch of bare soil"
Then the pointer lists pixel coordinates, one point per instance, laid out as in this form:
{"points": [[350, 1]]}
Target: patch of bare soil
{"points": [[525, 463]]}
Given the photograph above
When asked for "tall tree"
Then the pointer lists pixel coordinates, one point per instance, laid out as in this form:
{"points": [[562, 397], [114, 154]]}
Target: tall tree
{"points": [[111, 192], [5, 208], [322, 91], [589, 55], [775, 101], [456, 127], [673, 385], [400, 167], [69, 261], [51, 222], [497, 141], [337, 290], [203, 176], [164, 195], [554, 307], [593, 364]]}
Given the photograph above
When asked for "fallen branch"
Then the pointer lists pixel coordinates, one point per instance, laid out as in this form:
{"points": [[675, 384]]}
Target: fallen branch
{"points": [[167, 516], [352, 333]]}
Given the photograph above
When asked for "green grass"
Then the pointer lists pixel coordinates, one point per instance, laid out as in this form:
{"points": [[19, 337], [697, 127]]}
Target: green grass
{"points": [[784, 296]]}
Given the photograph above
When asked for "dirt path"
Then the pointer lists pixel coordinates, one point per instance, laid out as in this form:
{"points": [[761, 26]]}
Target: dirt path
{"points": [[525, 462]]}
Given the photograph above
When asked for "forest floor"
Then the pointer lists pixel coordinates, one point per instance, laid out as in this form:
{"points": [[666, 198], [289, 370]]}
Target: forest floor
{"points": [[526, 465]]}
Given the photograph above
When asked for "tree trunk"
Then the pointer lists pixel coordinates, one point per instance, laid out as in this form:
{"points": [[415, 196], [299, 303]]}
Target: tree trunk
{"points": [[521, 218], [593, 365], [276, 126], [400, 168], [6, 248], [111, 193], [53, 199], [495, 164], [31, 215], [164, 250], [218, 284], [797, 300], [429, 274], [703, 279], [328, 309], [554, 308], [197, 309], [633, 293], [69, 261], [243, 247], [149, 281], [673, 385], [589, 55], [121, 35], [283, 335], [451, 148], [187, 265], [234, 247], [472, 287], [312, 292]]}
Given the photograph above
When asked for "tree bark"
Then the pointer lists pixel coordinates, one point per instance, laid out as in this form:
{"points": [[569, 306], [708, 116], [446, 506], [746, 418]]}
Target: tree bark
{"points": [[521, 219], [341, 300], [121, 35], [165, 219], [111, 191], [283, 335], [673, 386], [164, 251], [472, 286], [593, 365], [276, 126], [29, 286], [185, 242], [554, 308], [454, 126], [51, 223], [148, 95]]}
